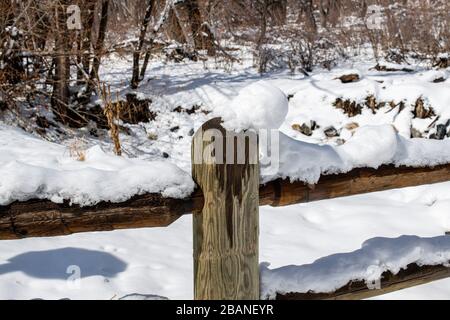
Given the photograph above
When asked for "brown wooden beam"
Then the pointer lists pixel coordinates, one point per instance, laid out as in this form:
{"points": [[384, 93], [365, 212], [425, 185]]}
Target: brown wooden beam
{"points": [[42, 218], [359, 181], [412, 276]]}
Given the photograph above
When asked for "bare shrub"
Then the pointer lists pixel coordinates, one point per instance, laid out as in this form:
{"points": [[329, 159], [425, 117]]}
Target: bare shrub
{"points": [[112, 112]]}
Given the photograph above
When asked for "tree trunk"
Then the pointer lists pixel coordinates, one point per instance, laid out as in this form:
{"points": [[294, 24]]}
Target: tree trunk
{"points": [[203, 36], [263, 23], [278, 12], [175, 30], [88, 17], [307, 15], [330, 11], [181, 13], [136, 79], [93, 78], [197, 31], [165, 14], [145, 65], [60, 95]]}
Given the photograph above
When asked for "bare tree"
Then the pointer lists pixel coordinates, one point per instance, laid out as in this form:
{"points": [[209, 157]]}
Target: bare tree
{"points": [[61, 93], [136, 78], [98, 49], [306, 15], [197, 32], [330, 12], [85, 41]]}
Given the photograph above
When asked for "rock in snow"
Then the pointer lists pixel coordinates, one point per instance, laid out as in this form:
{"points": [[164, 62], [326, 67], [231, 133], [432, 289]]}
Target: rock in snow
{"points": [[331, 132]]}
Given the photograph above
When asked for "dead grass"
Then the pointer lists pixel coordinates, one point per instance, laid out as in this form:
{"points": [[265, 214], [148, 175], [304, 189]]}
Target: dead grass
{"points": [[77, 150], [112, 112]]}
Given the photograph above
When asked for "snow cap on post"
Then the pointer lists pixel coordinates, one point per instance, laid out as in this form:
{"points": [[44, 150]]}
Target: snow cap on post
{"points": [[258, 106]]}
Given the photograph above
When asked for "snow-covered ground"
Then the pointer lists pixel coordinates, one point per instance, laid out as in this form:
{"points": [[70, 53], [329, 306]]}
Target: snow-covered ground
{"points": [[213, 90], [158, 262], [244, 99], [35, 169]]}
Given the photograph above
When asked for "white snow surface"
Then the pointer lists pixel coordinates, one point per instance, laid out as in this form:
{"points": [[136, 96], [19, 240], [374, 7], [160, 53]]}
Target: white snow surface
{"points": [[34, 168], [245, 100], [370, 146], [367, 264], [157, 262]]}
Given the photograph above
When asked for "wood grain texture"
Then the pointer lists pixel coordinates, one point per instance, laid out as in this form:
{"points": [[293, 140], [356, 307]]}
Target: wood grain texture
{"points": [[358, 181], [413, 275], [38, 218], [226, 232], [42, 218]]}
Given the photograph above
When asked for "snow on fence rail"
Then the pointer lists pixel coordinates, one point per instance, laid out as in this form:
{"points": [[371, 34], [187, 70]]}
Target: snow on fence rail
{"points": [[226, 215], [381, 265], [43, 218], [409, 276]]}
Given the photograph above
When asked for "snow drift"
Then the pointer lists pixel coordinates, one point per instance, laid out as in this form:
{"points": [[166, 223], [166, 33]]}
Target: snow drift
{"points": [[375, 257], [33, 168]]}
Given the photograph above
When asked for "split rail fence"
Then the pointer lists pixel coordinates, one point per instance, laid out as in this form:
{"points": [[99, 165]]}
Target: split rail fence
{"points": [[225, 210]]}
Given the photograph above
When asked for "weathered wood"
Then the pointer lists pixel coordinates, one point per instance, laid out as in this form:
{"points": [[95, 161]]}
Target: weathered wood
{"points": [[226, 265], [42, 218], [61, 93], [413, 275], [37, 218], [359, 181]]}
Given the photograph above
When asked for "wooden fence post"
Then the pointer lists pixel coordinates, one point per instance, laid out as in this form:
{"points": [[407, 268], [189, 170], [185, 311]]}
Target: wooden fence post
{"points": [[226, 233]]}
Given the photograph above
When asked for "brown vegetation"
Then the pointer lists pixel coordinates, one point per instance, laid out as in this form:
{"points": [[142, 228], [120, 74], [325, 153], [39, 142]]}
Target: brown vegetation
{"points": [[45, 62]]}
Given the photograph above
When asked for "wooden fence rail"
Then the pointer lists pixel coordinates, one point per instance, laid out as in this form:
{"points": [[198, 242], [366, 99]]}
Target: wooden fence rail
{"points": [[43, 218], [226, 214], [412, 275]]}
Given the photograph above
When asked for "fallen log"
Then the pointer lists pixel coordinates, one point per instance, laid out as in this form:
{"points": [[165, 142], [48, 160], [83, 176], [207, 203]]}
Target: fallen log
{"points": [[42, 218], [413, 275]]}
